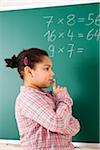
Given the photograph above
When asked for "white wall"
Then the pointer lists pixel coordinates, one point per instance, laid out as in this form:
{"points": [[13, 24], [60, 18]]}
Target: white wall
{"points": [[20, 4]]}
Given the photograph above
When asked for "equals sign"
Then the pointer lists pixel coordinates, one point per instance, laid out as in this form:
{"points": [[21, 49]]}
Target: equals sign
{"points": [[81, 19], [80, 50], [80, 35]]}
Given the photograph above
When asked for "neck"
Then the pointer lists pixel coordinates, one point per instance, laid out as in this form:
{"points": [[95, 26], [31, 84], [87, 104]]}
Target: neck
{"points": [[33, 86], [28, 83]]}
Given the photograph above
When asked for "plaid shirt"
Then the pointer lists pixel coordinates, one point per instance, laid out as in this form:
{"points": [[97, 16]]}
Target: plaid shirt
{"points": [[45, 122]]}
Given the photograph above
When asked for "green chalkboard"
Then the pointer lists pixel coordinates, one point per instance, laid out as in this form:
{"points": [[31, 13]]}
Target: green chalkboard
{"points": [[71, 36]]}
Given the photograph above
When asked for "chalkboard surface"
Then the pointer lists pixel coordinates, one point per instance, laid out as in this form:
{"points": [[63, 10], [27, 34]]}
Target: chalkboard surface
{"points": [[71, 36]]}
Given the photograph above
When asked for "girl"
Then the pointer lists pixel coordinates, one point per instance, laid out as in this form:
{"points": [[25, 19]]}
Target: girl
{"points": [[45, 121]]}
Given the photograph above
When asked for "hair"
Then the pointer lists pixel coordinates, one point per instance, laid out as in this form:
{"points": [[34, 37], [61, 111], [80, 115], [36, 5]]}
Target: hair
{"points": [[27, 57]]}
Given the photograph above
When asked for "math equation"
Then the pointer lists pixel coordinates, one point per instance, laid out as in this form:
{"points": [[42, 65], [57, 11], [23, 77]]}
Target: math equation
{"points": [[72, 30]]}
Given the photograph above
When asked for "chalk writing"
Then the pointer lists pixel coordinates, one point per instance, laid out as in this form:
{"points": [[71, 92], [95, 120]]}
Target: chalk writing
{"points": [[69, 32]]}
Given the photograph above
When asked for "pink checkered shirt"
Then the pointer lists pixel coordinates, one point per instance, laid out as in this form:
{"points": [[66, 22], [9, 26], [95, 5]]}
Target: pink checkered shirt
{"points": [[45, 122]]}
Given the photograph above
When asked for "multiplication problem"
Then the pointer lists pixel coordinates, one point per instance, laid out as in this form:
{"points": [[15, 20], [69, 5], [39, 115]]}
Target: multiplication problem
{"points": [[72, 19], [89, 30]]}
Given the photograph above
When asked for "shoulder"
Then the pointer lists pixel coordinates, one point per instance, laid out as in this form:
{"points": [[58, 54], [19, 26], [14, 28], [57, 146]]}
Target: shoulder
{"points": [[28, 94]]}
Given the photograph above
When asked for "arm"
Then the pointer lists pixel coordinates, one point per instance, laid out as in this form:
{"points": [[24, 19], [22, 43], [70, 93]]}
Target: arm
{"points": [[71, 125]]}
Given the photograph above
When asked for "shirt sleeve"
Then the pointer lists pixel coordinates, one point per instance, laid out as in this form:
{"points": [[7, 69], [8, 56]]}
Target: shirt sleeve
{"points": [[35, 107], [71, 124]]}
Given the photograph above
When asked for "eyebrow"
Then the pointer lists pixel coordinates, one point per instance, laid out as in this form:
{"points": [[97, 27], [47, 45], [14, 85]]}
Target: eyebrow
{"points": [[48, 65]]}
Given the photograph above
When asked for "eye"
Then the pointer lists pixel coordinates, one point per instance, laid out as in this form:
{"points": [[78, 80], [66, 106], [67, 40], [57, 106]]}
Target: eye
{"points": [[46, 68]]}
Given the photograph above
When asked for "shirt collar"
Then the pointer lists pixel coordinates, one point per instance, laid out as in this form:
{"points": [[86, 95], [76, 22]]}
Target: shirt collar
{"points": [[25, 88]]}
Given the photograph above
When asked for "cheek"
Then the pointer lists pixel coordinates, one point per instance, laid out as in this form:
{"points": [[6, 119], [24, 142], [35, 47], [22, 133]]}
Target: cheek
{"points": [[41, 76]]}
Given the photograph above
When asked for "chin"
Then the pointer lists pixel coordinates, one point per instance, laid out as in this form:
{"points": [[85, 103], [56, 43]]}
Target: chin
{"points": [[46, 86]]}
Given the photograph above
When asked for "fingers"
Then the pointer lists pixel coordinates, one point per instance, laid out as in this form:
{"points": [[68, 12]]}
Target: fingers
{"points": [[62, 89], [57, 89]]}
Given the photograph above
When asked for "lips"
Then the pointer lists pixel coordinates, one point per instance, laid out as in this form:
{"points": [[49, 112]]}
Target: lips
{"points": [[50, 80]]}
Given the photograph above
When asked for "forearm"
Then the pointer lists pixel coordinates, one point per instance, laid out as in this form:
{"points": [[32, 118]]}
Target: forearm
{"points": [[64, 109]]}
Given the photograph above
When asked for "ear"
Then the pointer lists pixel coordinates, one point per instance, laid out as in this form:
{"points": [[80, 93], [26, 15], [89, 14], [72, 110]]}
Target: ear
{"points": [[28, 71]]}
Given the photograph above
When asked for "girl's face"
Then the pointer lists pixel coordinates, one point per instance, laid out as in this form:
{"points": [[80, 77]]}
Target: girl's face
{"points": [[42, 75]]}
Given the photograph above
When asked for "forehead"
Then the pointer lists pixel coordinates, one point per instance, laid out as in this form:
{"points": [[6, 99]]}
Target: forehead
{"points": [[46, 61]]}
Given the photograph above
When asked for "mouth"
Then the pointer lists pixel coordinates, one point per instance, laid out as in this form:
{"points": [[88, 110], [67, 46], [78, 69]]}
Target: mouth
{"points": [[51, 80]]}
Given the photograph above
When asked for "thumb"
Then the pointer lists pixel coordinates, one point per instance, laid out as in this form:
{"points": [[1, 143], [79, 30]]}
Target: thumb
{"points": [[54, 84]]}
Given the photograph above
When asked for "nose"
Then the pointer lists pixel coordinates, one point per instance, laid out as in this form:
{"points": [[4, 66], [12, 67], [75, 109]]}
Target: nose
{"points": [[52, 73]]}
